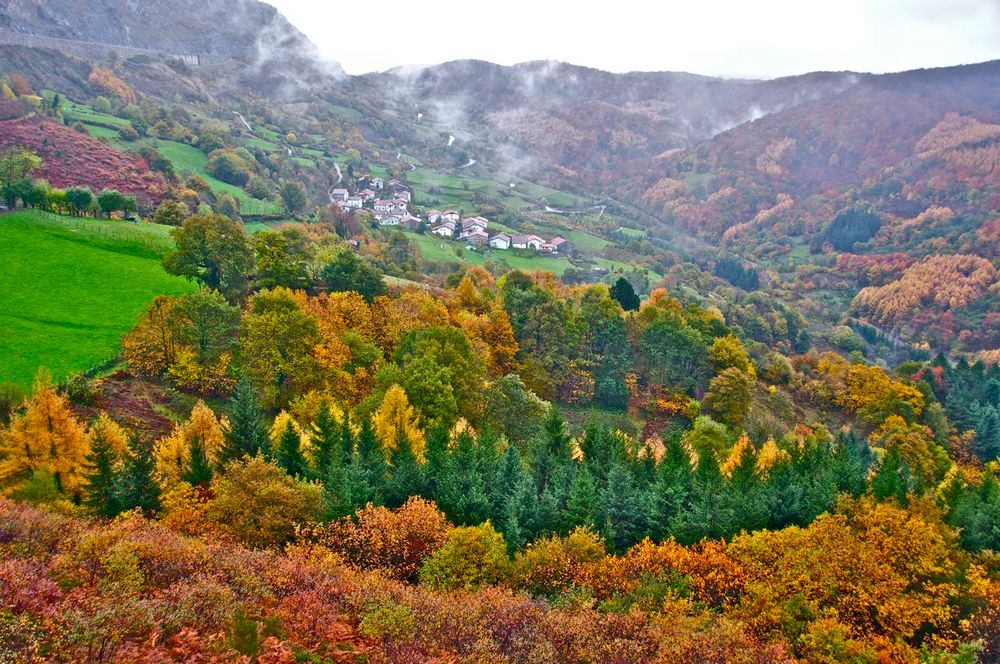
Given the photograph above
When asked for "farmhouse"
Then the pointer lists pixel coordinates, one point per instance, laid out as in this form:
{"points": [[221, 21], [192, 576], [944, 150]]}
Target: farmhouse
{"points": [[526, 242], [562, 245], [354, 202], [451, 215], [433, 216], [339, 195], [478, 238], [445, 229], [404, 195], [500, 241], [472, 225], [390, 220]]}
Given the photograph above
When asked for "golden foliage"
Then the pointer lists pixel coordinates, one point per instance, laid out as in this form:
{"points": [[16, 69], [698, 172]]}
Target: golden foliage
{"points": [[396, 418], [948, 282], [47, 437], [108, 81], [173, 453]]}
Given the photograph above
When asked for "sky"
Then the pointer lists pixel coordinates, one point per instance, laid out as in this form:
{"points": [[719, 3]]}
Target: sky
{"points": [[734, 38]]}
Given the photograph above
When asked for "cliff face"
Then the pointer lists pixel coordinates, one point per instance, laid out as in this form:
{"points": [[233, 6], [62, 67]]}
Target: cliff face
{"points": [[210, 27]]}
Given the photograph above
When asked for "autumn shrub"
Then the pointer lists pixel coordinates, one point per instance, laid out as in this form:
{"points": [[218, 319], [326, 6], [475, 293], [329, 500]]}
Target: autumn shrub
{"points": [[260, 505], [551, 565], [394, 542], [471, 557]]}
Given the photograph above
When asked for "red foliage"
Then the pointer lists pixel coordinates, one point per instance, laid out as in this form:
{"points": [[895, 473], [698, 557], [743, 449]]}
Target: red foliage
{"points": [[75, 159]]}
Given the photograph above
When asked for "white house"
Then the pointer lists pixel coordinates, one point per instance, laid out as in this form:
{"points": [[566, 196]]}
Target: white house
{"points": [[451, 215], [367, 195], [526, 242], [400, 205], [500, 241], [433, 216], [404, 195], [390, 220], [377, 183], [339, 195], [445, 229], [355, 202], [384, 206]]}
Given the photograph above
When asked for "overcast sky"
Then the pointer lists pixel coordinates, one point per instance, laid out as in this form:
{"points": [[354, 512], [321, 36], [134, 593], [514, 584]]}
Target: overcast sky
{"points": [[755, 38]]}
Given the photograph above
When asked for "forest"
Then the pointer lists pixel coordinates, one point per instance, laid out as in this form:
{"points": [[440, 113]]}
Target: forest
{"points": [[508, 468]]}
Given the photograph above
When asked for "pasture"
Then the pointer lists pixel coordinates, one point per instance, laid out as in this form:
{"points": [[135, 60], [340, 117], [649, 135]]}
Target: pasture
{"points": [[71, 287]]}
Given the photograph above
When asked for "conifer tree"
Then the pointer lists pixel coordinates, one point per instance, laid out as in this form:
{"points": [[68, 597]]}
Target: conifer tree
{"points": [[889, 481], [406, 477], [462, 493], [987, 441], [326, 438], [136, 487], [367, 470], [247, 435], [99, 483], [671, 489], [581, 505], [198, 471], [289, 454]]}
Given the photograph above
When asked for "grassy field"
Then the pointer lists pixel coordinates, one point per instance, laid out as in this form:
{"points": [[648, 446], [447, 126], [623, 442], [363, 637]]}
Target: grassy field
{"points": [[71, 287]]}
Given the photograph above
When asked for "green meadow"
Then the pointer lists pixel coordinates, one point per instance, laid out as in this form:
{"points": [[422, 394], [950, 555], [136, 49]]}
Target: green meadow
{"points": [[70, 288]]}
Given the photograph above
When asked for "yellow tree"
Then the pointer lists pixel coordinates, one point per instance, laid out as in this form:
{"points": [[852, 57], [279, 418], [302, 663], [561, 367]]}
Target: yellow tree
{"points": [[395, 418], [46, 438], [173, 453], [112, 433]]}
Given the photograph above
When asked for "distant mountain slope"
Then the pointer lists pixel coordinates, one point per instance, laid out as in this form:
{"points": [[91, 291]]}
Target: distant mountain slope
{"points": [[217, 27], [586, 122]]}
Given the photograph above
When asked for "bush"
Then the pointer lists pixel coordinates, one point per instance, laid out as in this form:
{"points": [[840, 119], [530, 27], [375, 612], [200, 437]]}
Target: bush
{"points": [[471, 557], [394, 542], [260, 505]]}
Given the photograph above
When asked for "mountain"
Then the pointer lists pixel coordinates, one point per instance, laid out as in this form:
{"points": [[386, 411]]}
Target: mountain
{"points": [[207, 27], [821, 185]]}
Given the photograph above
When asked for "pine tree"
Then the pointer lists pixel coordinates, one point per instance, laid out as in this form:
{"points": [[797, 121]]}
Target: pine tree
{"points": [[462, 493], [581, 505], [247, 435], [987, 441], [289, 453], [437, 460], [623, 508], [406, 477], [198, 471], [99, 483], [326, 441], [366, 472], [136, 487], [888, 481], [337, 499], [710, 512], [671, 489]]}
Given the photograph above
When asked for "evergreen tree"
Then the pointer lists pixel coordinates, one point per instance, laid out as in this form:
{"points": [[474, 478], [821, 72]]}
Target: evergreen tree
{"points": [[406, 477], [367, 470], [711, 511], [99, 483], [672, 488], [889, 480], [987, 441], [462, 493], [246, 435], [437, 459], [198, 471], [326, 442], [136, 487], [289, 454], [624, 508], [337, 499], [581, 505], [624, 294]]}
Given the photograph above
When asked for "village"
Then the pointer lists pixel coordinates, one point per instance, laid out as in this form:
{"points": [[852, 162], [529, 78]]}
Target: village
{"points": [[390, 202]]}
